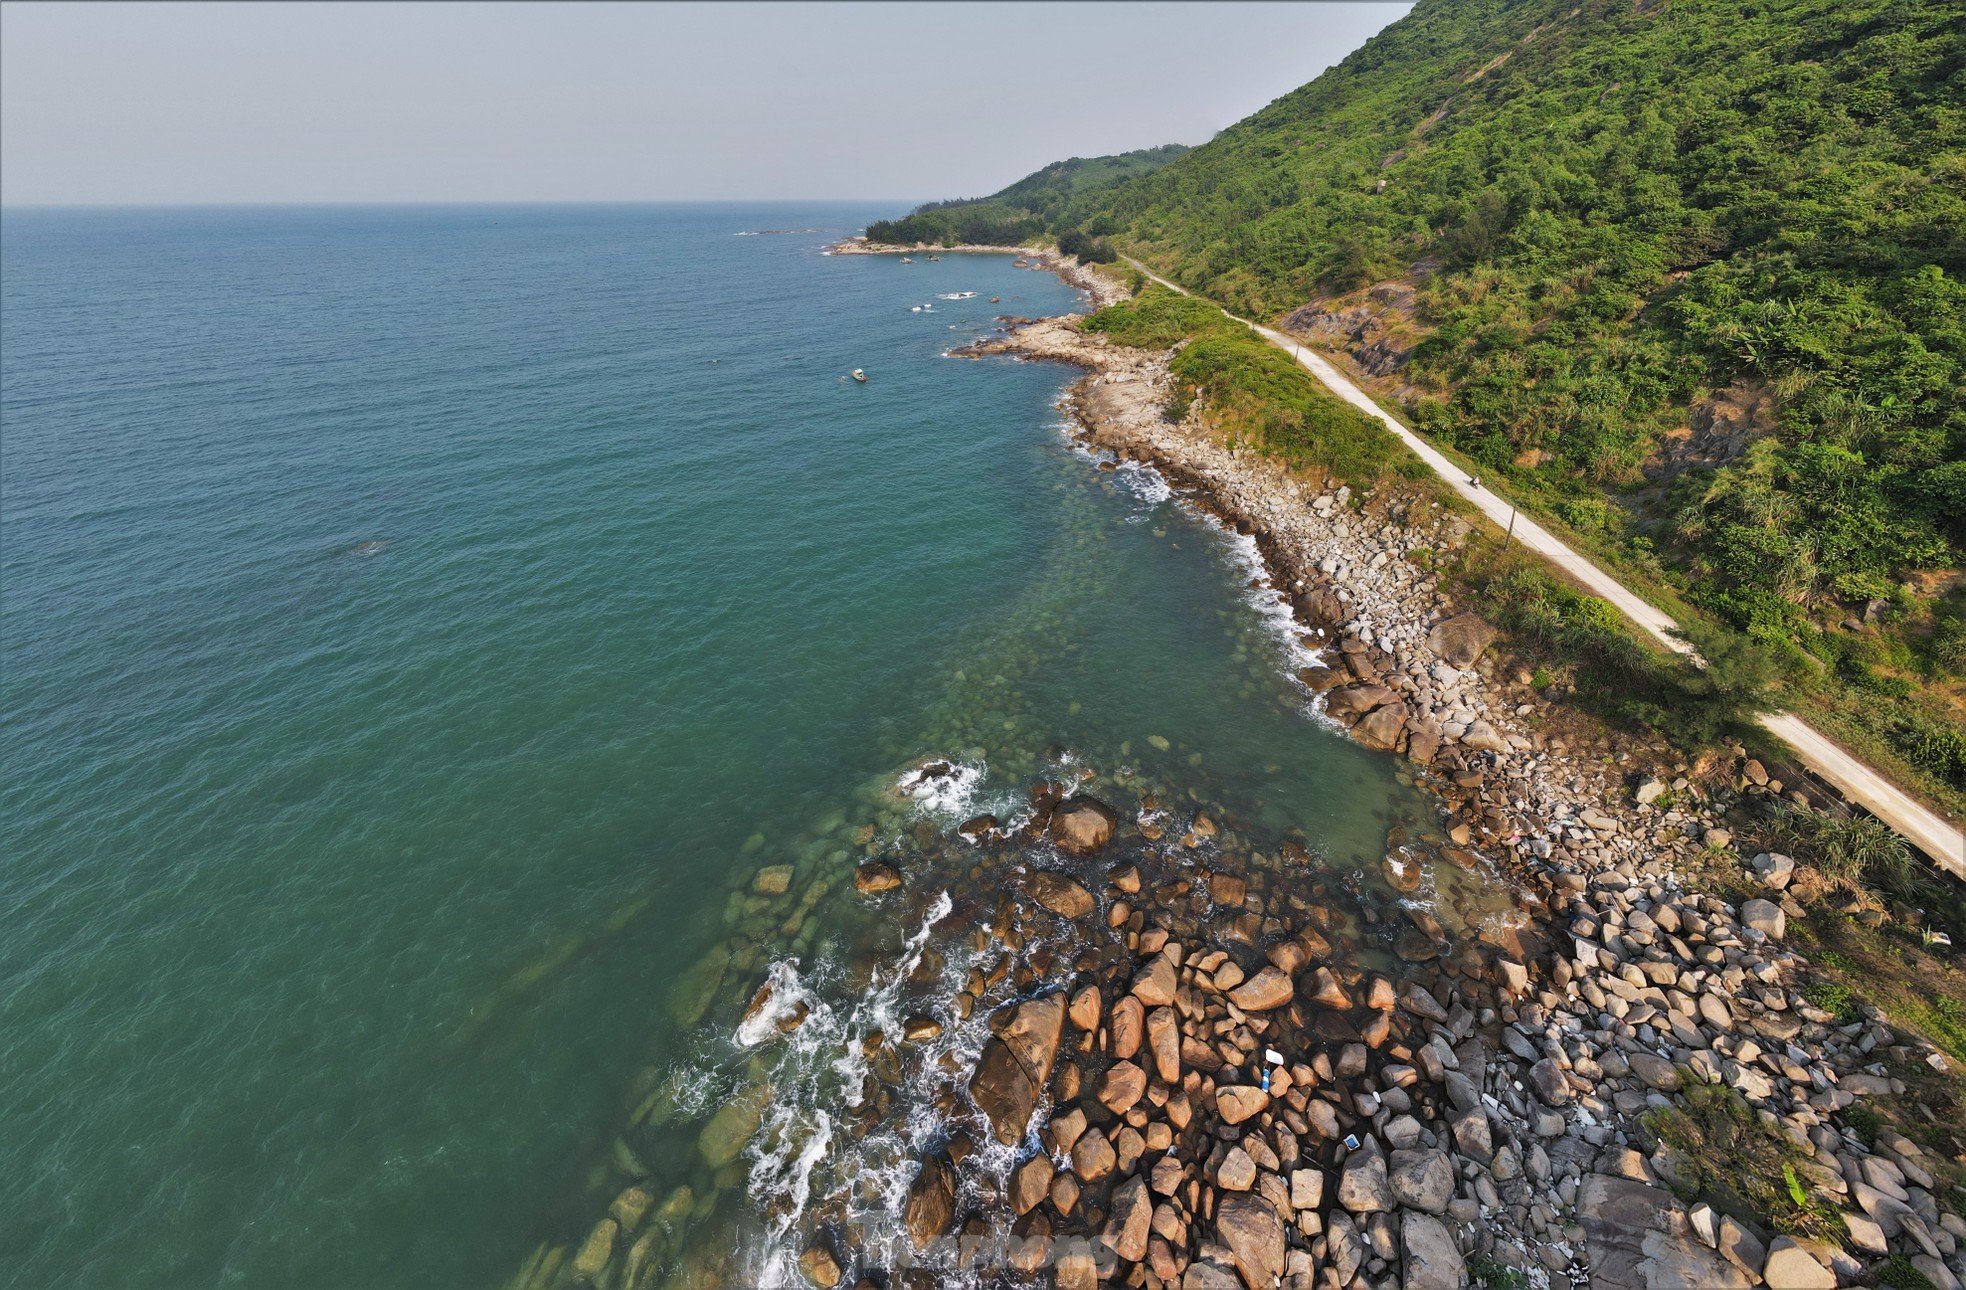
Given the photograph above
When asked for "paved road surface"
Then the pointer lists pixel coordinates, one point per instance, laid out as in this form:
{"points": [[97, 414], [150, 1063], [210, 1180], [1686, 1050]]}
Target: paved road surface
{"points": [[1856, 781]]}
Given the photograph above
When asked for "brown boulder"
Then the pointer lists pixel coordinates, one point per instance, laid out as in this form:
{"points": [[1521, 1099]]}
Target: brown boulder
{"points": [[1093, 1156], [1349, 703], [1460, 640], [1030, 1182], [1381, 727], [1059, 894], [1016, 1063], [1268, 989], [1154, 985], [1127, 1226], [1085, 1009], [1238, 1102], [1121, 1086], [1164, 1039], [1124, 1028], [1081, 825], [875, 877], [1248, 1225], [931, 1202]]}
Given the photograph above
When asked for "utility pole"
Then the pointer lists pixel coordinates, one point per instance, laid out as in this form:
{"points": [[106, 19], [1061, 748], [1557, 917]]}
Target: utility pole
{"points": [[1510, 536]]}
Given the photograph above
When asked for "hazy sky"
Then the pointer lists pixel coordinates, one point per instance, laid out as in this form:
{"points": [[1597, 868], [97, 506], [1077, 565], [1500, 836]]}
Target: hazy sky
{"points": [[434, 102]]}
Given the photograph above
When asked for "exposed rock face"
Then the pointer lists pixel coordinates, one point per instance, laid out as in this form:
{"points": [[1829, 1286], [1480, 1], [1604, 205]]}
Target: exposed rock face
{"points": [[1016, 1063], [1082, 825], [1640, 1237], [931, 1202]]}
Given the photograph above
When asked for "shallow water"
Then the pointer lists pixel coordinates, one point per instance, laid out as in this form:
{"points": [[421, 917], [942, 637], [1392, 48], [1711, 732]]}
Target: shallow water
{"points": [[420, 625]]}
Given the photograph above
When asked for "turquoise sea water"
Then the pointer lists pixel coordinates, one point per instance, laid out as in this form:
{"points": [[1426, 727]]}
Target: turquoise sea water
{"points": [[416, 621]]}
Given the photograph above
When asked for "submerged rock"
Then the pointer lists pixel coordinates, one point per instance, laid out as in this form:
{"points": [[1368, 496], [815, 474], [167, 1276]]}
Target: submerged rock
{"points": [[874, 877], [723, 1139]]}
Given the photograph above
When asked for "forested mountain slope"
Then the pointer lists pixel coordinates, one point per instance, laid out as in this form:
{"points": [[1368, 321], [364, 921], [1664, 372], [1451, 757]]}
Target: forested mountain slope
{"points": [[1026, 208], [1687, 272]]}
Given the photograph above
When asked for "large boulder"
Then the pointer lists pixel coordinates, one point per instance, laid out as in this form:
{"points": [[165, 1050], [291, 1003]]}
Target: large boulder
{"points": [[1349, 703], [1433, 1261], [1016, 1063], [724, 1138], [1238, 1102], [1127, 1226], [1460, 640], [1640, 1236], [1791, 1267], [931, 1202], [1123, 1084], [1266, 990], [1164, 1041], [1059, 894], [1422, 1180], [1364, 1188], [1248, 1225], [1082, 825], [1381, 727], [1766, 917]]}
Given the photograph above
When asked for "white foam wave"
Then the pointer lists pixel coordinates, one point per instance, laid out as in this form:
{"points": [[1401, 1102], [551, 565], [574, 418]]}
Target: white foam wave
{"points": [[1269, 603], [947, 794]]}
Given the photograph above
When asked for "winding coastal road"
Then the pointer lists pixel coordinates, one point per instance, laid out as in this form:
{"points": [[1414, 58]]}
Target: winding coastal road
{"points": [[1857, 782]]}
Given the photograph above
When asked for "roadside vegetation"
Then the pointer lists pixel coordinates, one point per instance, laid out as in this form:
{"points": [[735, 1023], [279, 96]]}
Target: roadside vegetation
{"points": [[1254, 393]]}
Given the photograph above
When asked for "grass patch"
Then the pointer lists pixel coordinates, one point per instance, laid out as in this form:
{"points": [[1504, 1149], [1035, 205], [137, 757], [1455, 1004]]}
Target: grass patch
{"points": [[1721, 1152]]}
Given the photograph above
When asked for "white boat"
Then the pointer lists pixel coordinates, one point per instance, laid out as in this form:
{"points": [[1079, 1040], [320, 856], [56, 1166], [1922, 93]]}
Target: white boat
{"points": [[859, 376]]}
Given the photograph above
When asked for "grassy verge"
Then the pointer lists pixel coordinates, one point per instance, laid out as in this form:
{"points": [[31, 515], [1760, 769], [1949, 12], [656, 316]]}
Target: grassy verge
{"points": [[1253, 392], [1886, 965]]}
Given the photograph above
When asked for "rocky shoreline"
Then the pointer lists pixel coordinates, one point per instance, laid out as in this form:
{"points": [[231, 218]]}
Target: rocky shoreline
{"points": [[1101, 290], [1137, 1040]]}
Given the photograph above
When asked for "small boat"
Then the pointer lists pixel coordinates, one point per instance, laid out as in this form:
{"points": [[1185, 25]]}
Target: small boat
{"points": [[936, 258], [995, 300], [906, 260], [859, 376], [1020, 264]]}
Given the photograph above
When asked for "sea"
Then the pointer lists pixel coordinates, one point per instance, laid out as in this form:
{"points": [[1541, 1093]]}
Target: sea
{"points": [[430, 635]]}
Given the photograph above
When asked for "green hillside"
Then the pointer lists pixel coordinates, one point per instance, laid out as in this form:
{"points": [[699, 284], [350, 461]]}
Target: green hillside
{"points": [[1686, 273], [1025, 209]]}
